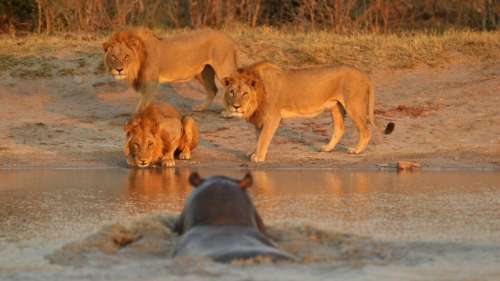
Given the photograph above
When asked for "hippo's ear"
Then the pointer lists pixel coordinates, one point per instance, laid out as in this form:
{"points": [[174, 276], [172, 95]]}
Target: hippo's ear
{"points": [[195, 180], [247, 181]]}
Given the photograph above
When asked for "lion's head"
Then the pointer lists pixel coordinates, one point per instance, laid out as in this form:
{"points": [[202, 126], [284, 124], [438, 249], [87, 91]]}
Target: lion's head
{"points": [[124, 54], [243, 93], [144, 145]]}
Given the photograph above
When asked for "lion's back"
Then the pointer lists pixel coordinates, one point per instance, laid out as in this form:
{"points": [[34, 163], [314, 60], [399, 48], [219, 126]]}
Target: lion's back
{"points": [[308, 91]]}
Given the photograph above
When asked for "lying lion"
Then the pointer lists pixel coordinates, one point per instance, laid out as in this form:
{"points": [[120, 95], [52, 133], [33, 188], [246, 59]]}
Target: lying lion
{"points": [[155, 134], [145, 61], [264, 94]]}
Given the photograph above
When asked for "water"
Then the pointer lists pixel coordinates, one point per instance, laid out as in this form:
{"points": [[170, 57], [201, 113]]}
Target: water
{"points": [[40, 210]]}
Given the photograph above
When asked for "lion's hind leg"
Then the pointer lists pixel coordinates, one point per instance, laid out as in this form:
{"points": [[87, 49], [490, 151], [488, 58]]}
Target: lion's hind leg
{"points": [[360, 119], [207, 79], [338, 127], [190, 137]]}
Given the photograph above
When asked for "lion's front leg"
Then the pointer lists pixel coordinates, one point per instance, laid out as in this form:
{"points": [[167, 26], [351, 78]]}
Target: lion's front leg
{"points": [[130, 162], [265, 137], [168, 158], [147, 93]]}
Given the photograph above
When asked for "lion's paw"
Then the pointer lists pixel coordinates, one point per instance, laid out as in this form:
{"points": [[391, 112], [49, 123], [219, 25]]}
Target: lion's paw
{"points": [[326, 148], [165, 163], [254, 158], [226, 114], [185, 155], [200, 107], [353, 151]]}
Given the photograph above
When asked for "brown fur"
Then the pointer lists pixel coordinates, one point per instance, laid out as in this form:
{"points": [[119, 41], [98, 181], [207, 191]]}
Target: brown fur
{"points": [[145, 60], [156, 133], [264, 94]]}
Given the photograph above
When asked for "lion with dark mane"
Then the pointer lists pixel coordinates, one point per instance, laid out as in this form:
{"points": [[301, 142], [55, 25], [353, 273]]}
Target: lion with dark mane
{"points": [[158, 132], [264, 94], [145, 60]]}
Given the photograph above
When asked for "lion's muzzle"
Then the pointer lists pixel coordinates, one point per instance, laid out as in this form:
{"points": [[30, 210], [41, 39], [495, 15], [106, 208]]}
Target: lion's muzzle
{"points": [[119, 73], [236, 110]]}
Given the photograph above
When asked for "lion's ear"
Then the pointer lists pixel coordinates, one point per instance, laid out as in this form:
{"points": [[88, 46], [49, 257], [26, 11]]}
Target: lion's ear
{"points": [[247, 181], [227, 81], [129, 126], [253, 83], [134, 43], [126, 149], [106, 45], [195, 180]]}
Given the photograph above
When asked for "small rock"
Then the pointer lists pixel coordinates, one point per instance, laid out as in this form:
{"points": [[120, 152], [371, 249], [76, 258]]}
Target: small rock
{"points": [[407, 166], [78, 79]]}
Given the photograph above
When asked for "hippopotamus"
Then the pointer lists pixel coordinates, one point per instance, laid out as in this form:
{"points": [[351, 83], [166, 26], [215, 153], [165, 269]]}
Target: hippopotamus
{"points": [[219, 221]]}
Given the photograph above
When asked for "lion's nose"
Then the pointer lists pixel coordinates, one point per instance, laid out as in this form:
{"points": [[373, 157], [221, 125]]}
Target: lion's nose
{"points": [[236, 106], [143, 162], [119, 70]]}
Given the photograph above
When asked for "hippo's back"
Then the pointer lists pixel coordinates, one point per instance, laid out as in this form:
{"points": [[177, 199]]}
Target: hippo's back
{"points": [[227, 243]]}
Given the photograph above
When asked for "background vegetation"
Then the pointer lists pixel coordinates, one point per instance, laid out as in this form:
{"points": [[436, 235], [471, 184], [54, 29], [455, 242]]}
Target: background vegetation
{"points": [[341, 16]]}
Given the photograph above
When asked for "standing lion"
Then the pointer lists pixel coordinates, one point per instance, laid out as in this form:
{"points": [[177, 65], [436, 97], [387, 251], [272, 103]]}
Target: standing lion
{"points": [[264, 94], [145, 60]]}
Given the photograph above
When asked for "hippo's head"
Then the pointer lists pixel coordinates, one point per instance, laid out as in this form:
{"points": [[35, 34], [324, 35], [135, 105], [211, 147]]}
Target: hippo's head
{"points": [[219, 200]]}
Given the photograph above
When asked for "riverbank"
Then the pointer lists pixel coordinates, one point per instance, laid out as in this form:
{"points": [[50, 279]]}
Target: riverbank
{"points": [[60, 109]]}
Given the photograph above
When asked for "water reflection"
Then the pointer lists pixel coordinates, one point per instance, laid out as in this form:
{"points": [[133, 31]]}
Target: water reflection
{"points": [[156, 189], [63, 203]]}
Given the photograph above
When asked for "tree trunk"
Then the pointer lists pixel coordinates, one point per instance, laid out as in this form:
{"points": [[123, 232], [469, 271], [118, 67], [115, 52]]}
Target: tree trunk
{"points": [[489, 20], [39, 5]]}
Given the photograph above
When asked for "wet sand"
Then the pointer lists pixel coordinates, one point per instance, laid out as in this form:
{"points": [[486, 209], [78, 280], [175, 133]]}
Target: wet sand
{"points": [[343, 225]]}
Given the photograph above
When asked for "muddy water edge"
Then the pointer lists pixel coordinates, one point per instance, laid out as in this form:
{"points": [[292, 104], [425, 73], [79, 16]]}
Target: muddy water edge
{"points": [[342, 224]]}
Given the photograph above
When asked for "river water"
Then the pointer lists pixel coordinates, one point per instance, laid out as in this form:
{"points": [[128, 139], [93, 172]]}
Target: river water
{"points": [[459, 212]]}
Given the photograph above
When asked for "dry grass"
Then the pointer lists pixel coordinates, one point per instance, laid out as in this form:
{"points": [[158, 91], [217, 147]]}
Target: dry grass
{"points": [[369, 51], [46, 56]]}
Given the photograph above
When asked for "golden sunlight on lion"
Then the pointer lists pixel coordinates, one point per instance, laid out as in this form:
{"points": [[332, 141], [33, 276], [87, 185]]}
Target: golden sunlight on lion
{"points": [[155, 134], [264, 94], [138, 56]]}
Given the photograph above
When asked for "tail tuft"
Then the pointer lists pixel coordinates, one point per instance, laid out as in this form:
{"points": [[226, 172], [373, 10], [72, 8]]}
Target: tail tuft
{"points": [[389, 128]]}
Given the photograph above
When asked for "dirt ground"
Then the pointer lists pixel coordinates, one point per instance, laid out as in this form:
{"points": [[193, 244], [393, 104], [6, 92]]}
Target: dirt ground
{"points": [[447, 117]]}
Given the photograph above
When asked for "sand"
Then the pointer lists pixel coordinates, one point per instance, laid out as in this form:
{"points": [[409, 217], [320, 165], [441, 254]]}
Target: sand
{"points": [[142, 250]]}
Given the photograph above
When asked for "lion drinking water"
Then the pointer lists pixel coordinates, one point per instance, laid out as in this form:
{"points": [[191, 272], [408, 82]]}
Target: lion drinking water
{"points": [[155, 134], [145, 60], [264, 94]]}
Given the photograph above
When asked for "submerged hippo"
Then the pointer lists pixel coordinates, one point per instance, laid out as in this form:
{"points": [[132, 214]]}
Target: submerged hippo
{"points": [[220, 221]]}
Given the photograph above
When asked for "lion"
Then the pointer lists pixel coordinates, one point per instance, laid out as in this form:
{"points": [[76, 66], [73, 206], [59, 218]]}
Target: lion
{"points": [[264, 93], [145, 60], [156, 133]]}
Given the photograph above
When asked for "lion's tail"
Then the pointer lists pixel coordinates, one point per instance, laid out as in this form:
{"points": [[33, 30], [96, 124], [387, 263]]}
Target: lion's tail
{"points": [[389, 128]]}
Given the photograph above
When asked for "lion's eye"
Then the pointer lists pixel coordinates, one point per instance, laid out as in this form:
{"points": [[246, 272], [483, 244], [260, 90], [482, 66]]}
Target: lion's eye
{"points": [[150, 144], [245, 93]]}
